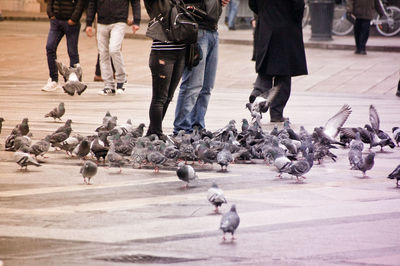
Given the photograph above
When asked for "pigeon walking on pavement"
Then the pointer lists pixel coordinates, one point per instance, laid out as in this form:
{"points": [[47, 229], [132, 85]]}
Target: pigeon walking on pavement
{"points": [[395, 175], [216, 196], [230, 222], [24, 159], [366, 163], [57, 112], [186, 173], [88, 170]]}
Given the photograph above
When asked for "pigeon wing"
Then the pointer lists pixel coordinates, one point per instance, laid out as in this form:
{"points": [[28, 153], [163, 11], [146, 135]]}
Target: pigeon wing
{"points": [[334, 124], [374, 118]]}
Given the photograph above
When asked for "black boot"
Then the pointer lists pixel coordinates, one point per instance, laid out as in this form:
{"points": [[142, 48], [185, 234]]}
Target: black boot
{"points": [[398, 89]]}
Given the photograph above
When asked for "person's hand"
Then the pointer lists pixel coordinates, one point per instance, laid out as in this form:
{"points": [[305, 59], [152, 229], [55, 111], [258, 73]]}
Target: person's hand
{"points": [[135, 28], [70, 22], [129, 21], [53, 17], [89, 31], [225, 2]]}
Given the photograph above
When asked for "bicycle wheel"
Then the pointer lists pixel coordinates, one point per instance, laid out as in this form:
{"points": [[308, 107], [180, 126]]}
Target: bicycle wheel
{"points": [[341, 25], [389, 25], [306, 16]]}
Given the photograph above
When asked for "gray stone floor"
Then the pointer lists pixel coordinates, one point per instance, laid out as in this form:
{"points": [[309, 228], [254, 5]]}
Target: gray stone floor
{"points": [[334, 217]]}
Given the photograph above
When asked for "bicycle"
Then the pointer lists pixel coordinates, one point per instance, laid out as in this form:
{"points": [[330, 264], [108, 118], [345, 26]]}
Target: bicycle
{"points": [[388, 25]]}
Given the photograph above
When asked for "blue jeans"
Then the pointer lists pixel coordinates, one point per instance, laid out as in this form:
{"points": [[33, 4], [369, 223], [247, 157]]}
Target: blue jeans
{"points": [[232, 12], [196, 86], [59, 28]]}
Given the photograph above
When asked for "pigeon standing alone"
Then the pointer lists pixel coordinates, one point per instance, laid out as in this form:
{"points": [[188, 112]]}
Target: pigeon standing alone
{"points": [[216, 196], [88, 170], [230, 222], [57, 112], [186, 173]]}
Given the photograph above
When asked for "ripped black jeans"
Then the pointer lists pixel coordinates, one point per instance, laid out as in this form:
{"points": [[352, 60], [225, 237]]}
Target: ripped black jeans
{"points": [[166, 70]]}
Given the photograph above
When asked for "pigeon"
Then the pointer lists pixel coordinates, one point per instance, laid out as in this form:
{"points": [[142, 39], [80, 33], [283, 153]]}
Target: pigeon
{"points": [[355, 152], [205, 154], [66, 128], [262, 102], [73, 78], [245, 124], [82, 149], [24, 159], [57, 112], [21, 142], [379, 137], [40, 147], [115, 159], [88, 170], [332, 126], [108, 124], [21, 129], [98, 148], [224, 157], [302, 166], [395, 131], [216, 196], [69, 144], [366, 163], [138, 132], [156, 158], [1, 123], [186, 173], [395, 175], [230, 222]]}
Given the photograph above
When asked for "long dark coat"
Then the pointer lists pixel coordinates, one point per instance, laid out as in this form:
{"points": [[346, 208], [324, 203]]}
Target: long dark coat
{"points": [[279, 47]]}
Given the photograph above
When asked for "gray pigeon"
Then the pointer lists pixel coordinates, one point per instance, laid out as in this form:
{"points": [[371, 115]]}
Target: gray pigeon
{"points": [[301, 167], [40, 147], [216, 196], [73, 78], [156, 158], [186, 173], [115, 159], [366, 163], [88, 170], [395, 130], [224, 157], [355, 152], [138, 132], [262, 102], [57, 112], [395, 175], [69, 144], [230, 222], [24, 159], [66, 128], [21, 129], [21, 142], [82, 149], [1, 123]]}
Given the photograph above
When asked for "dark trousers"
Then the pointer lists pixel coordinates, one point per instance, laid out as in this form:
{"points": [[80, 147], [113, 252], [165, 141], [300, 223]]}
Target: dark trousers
{"points": [[264, 83], [59, 28], [166, 71], [361, 33]]}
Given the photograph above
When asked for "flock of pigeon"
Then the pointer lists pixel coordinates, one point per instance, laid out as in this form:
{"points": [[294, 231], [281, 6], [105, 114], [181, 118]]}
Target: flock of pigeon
{"points": [[290, 152]]}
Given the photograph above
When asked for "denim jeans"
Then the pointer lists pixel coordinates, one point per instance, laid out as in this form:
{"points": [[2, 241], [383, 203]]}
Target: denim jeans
{"points": [[232, 12], [361, 33], [196, 86], [109, 42], [59, 28], [166, 71], [264, 83]]}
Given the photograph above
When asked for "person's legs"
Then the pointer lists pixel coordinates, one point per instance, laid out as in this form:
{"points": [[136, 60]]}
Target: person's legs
{"points": [[280, 100], [53, 39], [116, 38], [199, 111], [164, 81], [191, 85], [364, 33], [232, 12], [357, 30], [72, 35], [103, 38], [398, 89]]}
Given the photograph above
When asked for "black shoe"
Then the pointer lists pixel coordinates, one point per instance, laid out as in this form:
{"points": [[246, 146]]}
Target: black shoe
{"points": [[232, 28], [398, 93], [278, 120], [357, 51], [363, 52]]}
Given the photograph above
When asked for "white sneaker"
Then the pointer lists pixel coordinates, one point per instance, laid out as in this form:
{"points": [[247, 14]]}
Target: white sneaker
{"points": [[121, 91], [50, 86]]}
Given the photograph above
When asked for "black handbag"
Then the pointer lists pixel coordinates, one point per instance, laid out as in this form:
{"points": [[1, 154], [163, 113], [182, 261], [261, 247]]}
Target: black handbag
{"points": [[182, 27], [194, 55]]}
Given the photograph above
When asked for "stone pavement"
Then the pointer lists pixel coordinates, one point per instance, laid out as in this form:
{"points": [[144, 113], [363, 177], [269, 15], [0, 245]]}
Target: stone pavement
{"points": [[334, 218]]}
